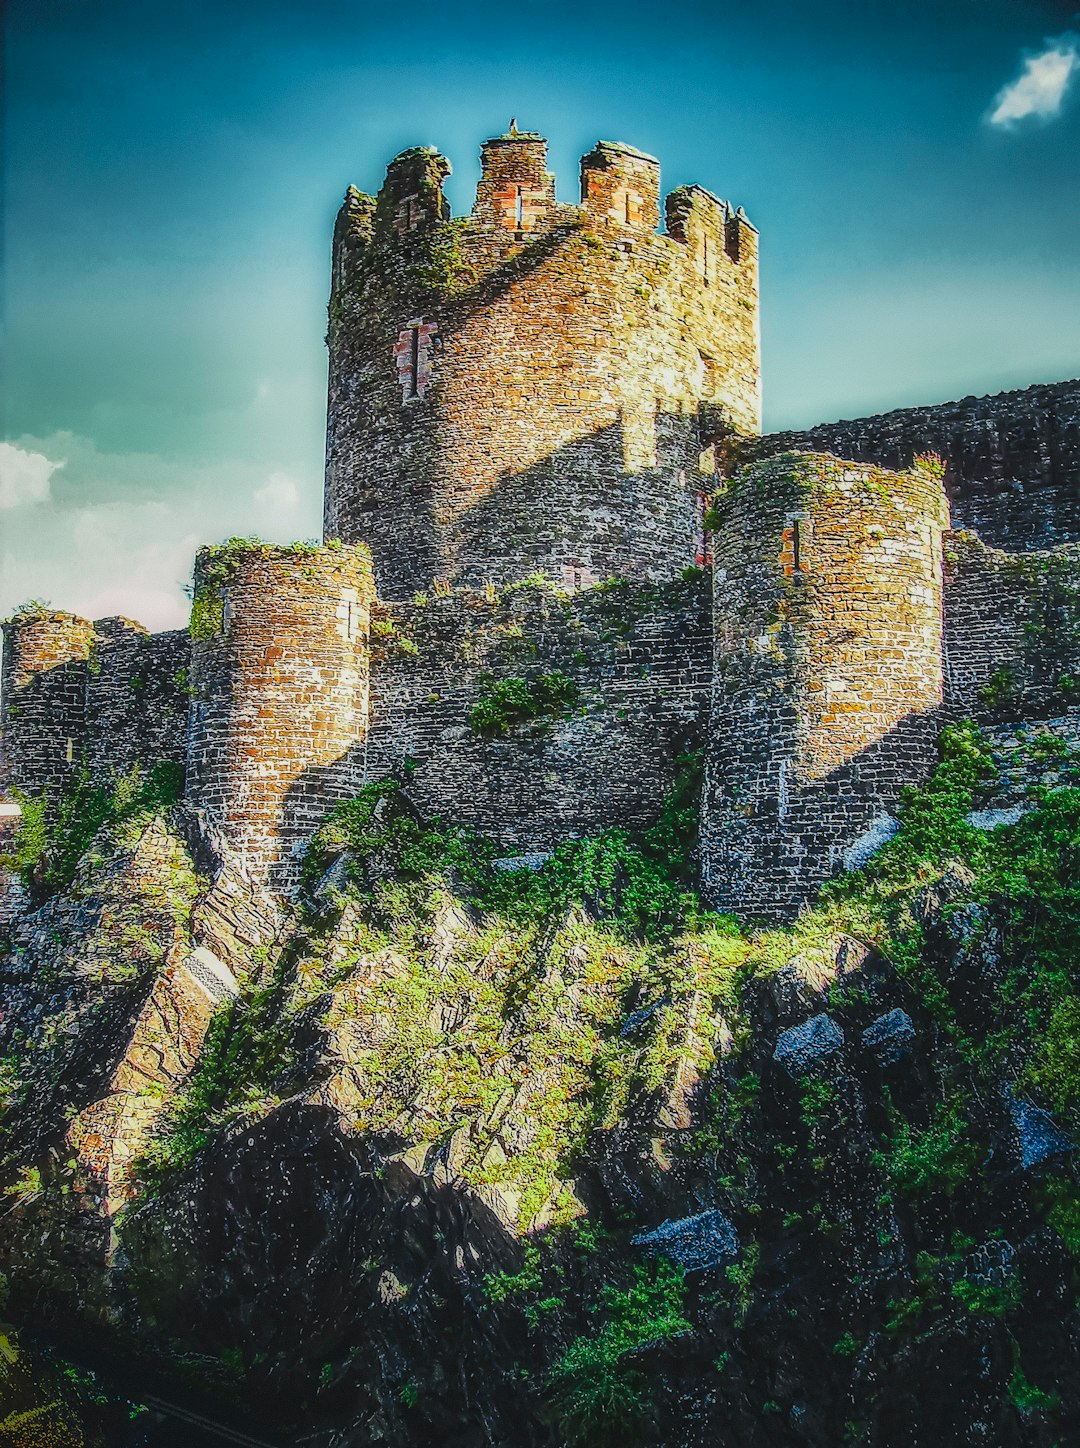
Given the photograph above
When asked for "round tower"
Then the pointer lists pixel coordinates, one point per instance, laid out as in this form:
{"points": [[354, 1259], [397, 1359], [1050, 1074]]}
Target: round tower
{"points": [[279, 675], [46, 659], [535, 387], [828, 671]]}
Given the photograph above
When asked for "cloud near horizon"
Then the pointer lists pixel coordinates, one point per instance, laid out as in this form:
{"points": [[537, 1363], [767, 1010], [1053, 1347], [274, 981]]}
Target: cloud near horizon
{"points": [[116, 533], [24, 476], [1040, 88]]}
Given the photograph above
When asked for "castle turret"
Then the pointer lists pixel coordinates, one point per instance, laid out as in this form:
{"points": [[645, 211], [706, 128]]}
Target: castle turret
{"points": [[828, 672], [536, 387], [280, 693], [46, 665]]}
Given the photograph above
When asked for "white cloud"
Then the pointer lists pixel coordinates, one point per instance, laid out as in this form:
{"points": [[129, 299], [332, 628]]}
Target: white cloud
{"points": [[278, 493], [24, 476], [117, 532], [1039, 89]]}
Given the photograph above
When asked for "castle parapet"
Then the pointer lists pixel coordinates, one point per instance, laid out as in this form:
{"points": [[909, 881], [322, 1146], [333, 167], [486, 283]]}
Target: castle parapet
{"points": [[280, 693], [412, 195], [516, 191]]}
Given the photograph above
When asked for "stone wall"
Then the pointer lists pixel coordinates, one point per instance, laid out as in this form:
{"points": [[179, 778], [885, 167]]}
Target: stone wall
{"points": [[828, 624], [640, 658], [536, 387], [279, 677], [1013, 460], [44, 699], [1012, 630], [137, 697], [105, 692]]}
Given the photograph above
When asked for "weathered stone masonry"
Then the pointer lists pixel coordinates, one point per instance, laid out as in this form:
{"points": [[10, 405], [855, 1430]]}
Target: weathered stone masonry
{"points": [[640, 657], [828, 669], [1012, 460], [279, 672], [535, 387], [107, 692]]}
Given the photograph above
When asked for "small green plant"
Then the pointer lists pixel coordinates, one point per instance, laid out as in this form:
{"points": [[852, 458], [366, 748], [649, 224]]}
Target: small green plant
{"points": [[846, 1345], [937, 1159], [506, 703], [600, 1399], [1001, 690], [741, 1276], [27, 1185], [1025, 1396], [989, 1299]]}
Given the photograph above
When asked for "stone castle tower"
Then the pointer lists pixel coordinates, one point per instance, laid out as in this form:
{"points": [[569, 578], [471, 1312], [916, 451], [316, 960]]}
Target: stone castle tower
{"points": [[536, 387]]}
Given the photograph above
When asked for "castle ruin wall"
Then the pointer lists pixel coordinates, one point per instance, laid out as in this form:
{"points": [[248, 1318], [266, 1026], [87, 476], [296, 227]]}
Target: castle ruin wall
{"points": [[1012, 630], [639, 656], [1012, 460]]}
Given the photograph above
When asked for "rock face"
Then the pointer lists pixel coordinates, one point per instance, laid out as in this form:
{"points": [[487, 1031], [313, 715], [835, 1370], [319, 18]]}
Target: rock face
{"points": [[395, 1168]]}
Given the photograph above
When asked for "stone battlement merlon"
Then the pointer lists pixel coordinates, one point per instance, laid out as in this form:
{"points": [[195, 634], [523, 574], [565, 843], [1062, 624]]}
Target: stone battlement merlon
{"points": [[515, 197]]}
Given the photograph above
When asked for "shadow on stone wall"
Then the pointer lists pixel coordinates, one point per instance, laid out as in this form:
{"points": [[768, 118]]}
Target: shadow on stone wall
{"points": [[583, 515]]}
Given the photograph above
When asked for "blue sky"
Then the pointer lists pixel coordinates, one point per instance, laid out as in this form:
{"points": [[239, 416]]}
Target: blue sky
{"points": [[172, 172]]}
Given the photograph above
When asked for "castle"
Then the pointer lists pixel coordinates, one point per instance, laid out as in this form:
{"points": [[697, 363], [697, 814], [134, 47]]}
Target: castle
{"points": [[544, 464]]}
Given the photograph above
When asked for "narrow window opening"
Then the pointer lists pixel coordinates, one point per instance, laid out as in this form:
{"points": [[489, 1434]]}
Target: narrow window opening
{"points": [[519, 212], [70, 750], [796, 546], [577, 580], [705, 258], [414, 361], [628, 215]]}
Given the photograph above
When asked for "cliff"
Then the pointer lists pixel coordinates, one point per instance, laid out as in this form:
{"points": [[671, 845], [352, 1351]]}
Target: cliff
{"points": [[452, 1154]]}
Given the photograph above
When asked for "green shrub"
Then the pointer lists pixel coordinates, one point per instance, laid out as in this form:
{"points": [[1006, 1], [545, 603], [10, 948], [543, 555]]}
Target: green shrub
{"points": [[599, 1398], [506, 703], [54, 831], [937, 1159]]}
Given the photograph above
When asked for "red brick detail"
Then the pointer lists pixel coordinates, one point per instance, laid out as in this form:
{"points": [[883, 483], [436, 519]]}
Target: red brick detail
{"points": [[412, 355]]}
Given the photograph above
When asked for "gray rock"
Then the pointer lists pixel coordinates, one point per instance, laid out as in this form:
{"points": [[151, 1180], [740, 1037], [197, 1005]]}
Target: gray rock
{"points": [[889, 1036], [637, 1019], [1038, 1137], [334, 881], [695, 1243], [993, 819], [534, 860], [861, 851], [991, 1264], [803, 1046]]}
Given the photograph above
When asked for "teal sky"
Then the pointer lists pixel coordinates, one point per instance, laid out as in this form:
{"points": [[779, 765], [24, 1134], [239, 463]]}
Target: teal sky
{"points": [[172, 172]]}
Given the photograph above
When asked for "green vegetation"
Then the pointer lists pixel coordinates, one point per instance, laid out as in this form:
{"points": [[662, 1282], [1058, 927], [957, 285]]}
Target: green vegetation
{"points": [[505, 704], [937, 1159], [54, 833], [1001, 690], [599, 1397]]}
